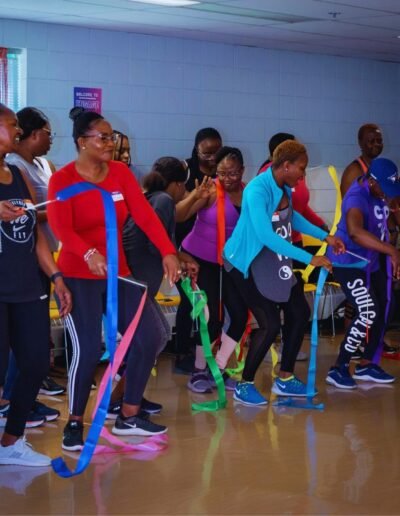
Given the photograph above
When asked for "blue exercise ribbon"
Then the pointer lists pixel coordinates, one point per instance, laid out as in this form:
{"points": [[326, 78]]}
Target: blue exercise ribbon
{"points": [[312, 368], [59, 466]]}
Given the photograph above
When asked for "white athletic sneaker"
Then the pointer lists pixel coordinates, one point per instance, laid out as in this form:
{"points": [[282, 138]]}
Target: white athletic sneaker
{"points": [[22, 453]]}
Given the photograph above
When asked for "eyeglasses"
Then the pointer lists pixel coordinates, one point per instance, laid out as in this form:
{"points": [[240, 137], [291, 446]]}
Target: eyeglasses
{"points": [[231, 175], [104, 138], [51, 135]]}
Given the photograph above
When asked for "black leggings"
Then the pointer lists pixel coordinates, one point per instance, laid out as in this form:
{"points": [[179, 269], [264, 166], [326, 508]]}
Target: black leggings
{"points": [[24, 327], [209, 281], [369, 311], [267, 314], [84, 326]]}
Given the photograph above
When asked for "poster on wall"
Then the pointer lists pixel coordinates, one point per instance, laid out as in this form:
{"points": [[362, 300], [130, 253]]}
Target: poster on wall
{"points": [[88, 98]]}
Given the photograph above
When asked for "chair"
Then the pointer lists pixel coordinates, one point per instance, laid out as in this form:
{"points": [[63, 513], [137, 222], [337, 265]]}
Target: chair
{"points": [[169, 306], [330, 288]]}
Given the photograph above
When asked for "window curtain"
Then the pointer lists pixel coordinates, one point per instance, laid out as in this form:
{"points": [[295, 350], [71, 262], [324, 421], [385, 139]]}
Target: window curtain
{"points": [[3, 76]]}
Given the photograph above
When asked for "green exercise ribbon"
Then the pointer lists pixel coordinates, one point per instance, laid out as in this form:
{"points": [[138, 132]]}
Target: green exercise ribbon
{"points": [[235, 372], [198, 300]]}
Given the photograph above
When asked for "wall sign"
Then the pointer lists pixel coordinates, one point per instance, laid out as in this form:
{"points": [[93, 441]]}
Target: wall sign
{"points": [[88, 98]]}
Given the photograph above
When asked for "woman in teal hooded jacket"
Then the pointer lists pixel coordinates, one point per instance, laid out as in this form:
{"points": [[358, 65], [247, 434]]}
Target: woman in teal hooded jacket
{"points": [[259, 258]]}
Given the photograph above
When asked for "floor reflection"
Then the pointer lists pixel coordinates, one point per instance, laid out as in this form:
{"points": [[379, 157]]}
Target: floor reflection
{"points": [[243, 460]]}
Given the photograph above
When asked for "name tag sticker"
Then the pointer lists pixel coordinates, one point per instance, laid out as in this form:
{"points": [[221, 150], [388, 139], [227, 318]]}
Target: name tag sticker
{"points": [[117, 196], [275, 217]]}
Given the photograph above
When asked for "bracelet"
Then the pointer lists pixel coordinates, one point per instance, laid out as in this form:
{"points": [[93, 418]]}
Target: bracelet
{"points": [[56, 275], [89, 254]]}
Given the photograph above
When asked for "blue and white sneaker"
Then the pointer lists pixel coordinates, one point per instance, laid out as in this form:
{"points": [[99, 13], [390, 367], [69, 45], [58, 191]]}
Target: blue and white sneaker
{"points": [[246, 393], [372, 373], [289, 387], [340, 377]]}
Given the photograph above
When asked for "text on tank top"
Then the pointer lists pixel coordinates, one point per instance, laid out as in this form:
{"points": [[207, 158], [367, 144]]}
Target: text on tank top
{"points": [[19, 269]]}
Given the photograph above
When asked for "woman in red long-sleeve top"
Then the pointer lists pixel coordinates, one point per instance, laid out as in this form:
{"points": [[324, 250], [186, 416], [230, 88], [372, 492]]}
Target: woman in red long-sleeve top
{"points": [[300, 200], [79, 224]]}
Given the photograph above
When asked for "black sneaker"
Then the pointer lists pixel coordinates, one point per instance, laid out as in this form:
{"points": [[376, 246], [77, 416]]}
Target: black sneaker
{"points": [[114, 409], [33, 420], [51, 388], [40, 409], [73, 436], [184, 365], [150, 407], [137, 425]]}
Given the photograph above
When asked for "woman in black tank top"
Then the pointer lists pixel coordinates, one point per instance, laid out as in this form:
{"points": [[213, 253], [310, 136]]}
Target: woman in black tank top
{"points": [[24, 315]]}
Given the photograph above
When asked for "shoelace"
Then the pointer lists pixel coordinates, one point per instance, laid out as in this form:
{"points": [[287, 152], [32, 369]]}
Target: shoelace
{"points": [[25, 442], [296, 384], [246, 385]]}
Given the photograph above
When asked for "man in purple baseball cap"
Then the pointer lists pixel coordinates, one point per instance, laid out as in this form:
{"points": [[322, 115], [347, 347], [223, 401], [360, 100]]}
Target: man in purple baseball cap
{"points": [[362, 273]]}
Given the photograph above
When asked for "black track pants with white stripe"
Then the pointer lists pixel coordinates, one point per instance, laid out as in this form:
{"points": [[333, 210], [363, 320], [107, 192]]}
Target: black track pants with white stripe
{"points": [[84, 326]]}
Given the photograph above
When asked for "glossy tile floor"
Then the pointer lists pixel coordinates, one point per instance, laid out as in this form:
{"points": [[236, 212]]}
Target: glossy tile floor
{"points": [[242, 460]]}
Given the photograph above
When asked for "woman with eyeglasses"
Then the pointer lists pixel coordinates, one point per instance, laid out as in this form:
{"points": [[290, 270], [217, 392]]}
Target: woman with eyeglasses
{"points": [[80, 225], [214, 221], [200, 165], [35, 141]]}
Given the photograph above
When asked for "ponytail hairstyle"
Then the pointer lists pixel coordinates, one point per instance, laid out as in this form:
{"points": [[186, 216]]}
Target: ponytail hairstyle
{"points": [[231, 153], [83, 121], [166, 170], [31, 119]]}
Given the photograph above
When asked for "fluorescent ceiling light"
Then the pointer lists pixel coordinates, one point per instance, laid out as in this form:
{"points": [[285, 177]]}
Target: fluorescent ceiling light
{"points": [[168, 3]]}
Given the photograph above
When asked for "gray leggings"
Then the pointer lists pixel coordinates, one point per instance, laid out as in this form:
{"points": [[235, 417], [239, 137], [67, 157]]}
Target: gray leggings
{"points": [[84, 326]]}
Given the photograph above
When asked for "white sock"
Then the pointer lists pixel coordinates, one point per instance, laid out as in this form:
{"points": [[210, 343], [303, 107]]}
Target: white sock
{"points": [[200, 362], [228, 346]]}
